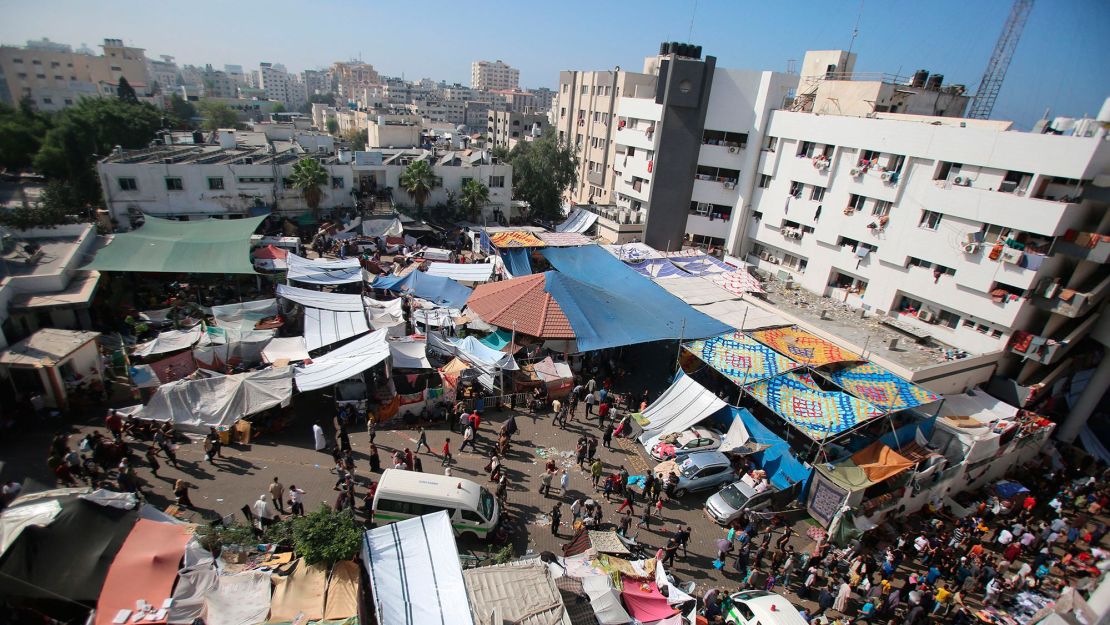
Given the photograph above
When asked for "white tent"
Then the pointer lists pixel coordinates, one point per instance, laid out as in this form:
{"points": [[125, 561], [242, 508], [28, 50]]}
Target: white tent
{"points": [[580, 220], [469, 272], [219, 400], [695, 290], [415, 575], [740, 315], [346, 361], [318, 299], [682, 405], [736, 436], [323, 271], [324, 327], [170, 341], [384, 311], [235, 322], [409, 353], [978, 405], [605, 600], [287, 348], [375, 228]]}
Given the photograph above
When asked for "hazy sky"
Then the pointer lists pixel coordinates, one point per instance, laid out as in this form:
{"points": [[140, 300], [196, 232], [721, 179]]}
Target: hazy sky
{"points": [[1062, 62]]}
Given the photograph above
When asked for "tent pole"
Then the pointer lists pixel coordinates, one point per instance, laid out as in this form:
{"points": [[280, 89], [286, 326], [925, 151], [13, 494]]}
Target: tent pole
{"points": [[678, 352]]}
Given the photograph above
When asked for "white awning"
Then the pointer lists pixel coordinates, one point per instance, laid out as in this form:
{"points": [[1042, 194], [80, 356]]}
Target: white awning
{"points": [[290, 348], [323, 271], [170, 341], [694, 290], [220, 400], [684, 404], [579, 221], [414, 571], [319, 299], [736, 436], [324, 327], [375, 228], [349, 360], [741, 315], [385, 312], [469, 272], [409, 354]]}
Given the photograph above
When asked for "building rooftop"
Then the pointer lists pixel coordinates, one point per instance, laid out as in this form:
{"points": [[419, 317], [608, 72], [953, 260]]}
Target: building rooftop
{"points": [[52, 256], [45, 347]]}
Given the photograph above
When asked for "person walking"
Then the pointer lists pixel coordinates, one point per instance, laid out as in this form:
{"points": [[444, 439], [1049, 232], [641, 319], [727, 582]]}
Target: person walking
{"points": [[375, 460], [152, 459], [607, 437], [320, 441], [296, 501], [545, 483], [181, 492], [590, 400], [276, 493], [591, 448], [209, 451], [468, 438], [556, 518], [596, 470], [446, 453], [217, 445], [564, 481], [263, 512], [422, 440]]}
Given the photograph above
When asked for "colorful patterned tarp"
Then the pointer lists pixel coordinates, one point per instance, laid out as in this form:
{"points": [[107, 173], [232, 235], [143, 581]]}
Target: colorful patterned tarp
{"points": [[819, 414], [701, 265], [656, 268], [880, 387], [740, 358], [803, 347], [515, 238], [738, 282]]}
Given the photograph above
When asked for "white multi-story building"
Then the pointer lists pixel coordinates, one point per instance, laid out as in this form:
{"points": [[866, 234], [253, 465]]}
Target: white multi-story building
{"points": [[491, 75], [238, 173], [280, 85], [963, 230], [163, 71]]}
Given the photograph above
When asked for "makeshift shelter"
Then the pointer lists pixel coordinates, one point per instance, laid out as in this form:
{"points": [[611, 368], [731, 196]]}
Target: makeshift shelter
{"points": [[145, 568], [682, 405], [462, 272], [656, 268], [436, 289], [580, 220], [879, 462], [605, 600], [375, 228], [778, 460], [271, 258], [644, 601], [803, 347], [557, 376], [299, 593], [218, 400], [288, 349], [703, 265], [740, 358], [498, 340], [323, 271], [738, 282], [236, 326], [696, 290], [523, 305], [740, 315], [171, 246], [170, 341], [518, 261], [241, 599], [816, 413], [564, 239], [519, 593], [880, 387], [341, 600], [409, 353], [342, 363], [415, 575], [632, 252], [514, 238], [610, 305]]}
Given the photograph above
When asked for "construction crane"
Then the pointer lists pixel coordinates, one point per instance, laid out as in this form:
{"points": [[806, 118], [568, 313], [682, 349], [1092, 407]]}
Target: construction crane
{"points": [[983, 102]]}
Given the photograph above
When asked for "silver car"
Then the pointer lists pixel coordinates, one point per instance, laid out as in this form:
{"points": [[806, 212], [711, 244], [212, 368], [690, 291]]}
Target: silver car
{"points": [[703, 470], [686, 442], [739, 496]]}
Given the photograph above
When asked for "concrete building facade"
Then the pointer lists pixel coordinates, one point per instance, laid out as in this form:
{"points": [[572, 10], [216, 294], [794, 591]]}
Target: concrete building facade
{"points": [[507, 128], [54, 77], [494, 75]]}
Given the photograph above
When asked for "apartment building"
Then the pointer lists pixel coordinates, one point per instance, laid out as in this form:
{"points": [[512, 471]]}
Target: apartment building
{"points": [[586, 120], [494, 75], [507, 128], [218, 84], [964, 231], [163, 71], [280, 85], [53, 76], [231, 174], [544, 99], [315, 82], [351, 77]]}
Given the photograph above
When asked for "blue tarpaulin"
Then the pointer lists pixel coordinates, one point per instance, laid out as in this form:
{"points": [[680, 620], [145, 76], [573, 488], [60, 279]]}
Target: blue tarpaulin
{"points": [[484, 243], [518, 261], [435, 289], [610, 304], [777, 460]]}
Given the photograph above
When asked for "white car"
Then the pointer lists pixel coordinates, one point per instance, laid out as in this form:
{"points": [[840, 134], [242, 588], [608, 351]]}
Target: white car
{"points": [[761, 607], [673, 446]]}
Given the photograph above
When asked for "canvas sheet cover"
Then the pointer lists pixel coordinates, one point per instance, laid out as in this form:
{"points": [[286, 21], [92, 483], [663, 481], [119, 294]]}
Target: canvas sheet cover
{"points": [[301, 592], [658, 268], [170, 341], [703, 265], [696, 291], [824, 499], [384, 311], [339, 302], [477, 353], [818, 414], [684, 404], [609, 304], [436, 289], [738, 282], [740, 315], [323, 271], [324, 327], [803, 347], [777, 460], [341, 600], [409, 353], [241, 599], [564, 239], [978, 405], [220, 400], [434, 316], [235, 322], [144, 568], [633, 252], [880, 387], [290, 348], [375, 228], [463, 272], [518, 261], [170, 246], [740, 358], [415, 575], [880, 462], [579, 220], [344, 362], [523, 594]]}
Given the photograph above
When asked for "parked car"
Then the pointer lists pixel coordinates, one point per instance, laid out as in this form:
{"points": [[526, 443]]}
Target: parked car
{"points": [[739, 496], [761, 607], [683, 443], [703, 470]]}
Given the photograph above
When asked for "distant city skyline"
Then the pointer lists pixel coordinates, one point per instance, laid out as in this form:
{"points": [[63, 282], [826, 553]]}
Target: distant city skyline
{"points": [[1059, 65]]}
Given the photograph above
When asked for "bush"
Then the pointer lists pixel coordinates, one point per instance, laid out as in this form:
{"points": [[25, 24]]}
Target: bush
{"points": [[214, 538], [327, 536]]}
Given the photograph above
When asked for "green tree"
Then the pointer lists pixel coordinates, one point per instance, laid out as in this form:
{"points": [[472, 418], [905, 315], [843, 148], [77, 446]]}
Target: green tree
{"points": [[57, 202], [278, 108], [309, 176], [355, 138], [333, 127], [474, 195], [21, 133], [542, 171], [87, 130], [327, 536], [183, 111], [217, 115], [126, 92], [418, 180]]}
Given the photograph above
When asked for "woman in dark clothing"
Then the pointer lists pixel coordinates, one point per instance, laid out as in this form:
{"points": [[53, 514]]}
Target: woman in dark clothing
{"points": [[375, 461]]}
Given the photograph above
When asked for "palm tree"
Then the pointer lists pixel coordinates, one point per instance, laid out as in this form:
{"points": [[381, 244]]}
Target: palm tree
{"points": [[474, 195], [309, 176], [418, 180]]}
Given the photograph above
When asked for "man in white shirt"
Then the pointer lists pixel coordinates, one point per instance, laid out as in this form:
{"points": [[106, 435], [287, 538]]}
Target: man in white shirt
{"points": [[264, 512], [1005, 537], [296, 501]]}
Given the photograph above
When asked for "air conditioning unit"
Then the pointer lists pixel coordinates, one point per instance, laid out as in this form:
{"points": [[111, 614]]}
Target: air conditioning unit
{"points": [[960, 181], [971, 248], [927, 315], [821, 163], [730, 185], [856, 172], [763, 255], [887, 176]]}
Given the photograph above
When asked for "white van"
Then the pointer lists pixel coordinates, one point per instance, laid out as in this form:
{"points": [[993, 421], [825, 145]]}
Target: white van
{"points": [[405, 494], [760, 607]]}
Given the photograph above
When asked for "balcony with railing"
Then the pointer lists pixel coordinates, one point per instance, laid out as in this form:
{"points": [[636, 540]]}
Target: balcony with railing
{"points": [[1050, 295], [1084, 246]]}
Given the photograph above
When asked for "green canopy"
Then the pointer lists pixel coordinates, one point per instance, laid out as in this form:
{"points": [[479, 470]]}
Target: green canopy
{"points": [[498, 339], [168, 246]]}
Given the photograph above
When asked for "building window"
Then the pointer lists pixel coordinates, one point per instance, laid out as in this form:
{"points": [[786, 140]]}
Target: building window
{"points": [[764, 181], [856, 202], [174, 184], [127, 184], [805, 149], [47, 101], [563, 112], [336, 182], [881, 208], [948, 319], [585, 89], [817, 194], [930, 220], [796, 188], [497, 182], [772, 142], [215, 184]]}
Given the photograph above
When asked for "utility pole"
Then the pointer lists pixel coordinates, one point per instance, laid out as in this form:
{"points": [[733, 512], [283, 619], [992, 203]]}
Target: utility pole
{"points": [[991, 83]]}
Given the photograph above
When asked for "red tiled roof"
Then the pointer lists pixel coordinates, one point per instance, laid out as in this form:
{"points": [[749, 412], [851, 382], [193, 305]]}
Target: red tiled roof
{"points": [[523, 302]]}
